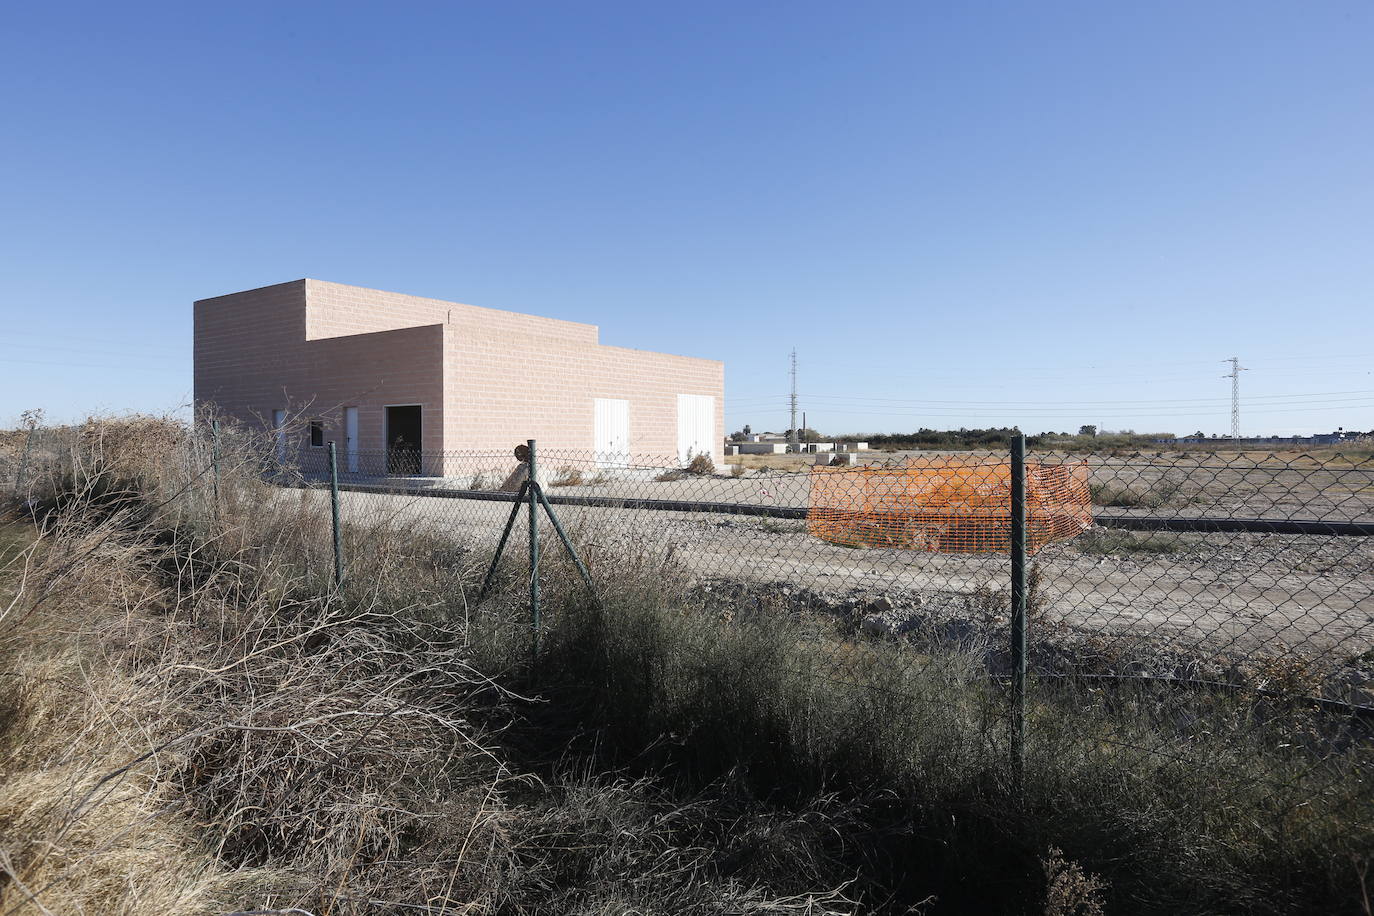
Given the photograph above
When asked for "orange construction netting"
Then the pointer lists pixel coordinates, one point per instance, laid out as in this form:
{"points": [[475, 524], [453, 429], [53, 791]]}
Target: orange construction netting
{"points": [[959, 504]]}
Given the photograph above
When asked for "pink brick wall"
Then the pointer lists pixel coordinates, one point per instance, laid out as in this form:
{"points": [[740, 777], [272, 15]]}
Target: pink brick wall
{"points": [[487, 379], [336, 310], [544, 389], [252, 356]]}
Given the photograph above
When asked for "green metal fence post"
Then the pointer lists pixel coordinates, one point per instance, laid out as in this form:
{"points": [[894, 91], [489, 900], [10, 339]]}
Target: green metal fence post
{"points": [[568, 545], [334, 506], [534, 546], [501, 545], [1018, 609]]}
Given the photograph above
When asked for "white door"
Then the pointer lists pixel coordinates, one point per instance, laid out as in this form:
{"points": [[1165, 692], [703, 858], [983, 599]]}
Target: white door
{"points": [[696, 426], [351, 438], [611, 432], [279, 431]]}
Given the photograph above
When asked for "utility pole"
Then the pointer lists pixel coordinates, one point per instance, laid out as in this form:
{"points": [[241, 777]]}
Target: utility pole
{"points": [[1234, 376], [794, 436]]}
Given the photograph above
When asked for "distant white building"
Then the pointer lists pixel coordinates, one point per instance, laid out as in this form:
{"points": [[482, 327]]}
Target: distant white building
{"points": [[779, 444]]}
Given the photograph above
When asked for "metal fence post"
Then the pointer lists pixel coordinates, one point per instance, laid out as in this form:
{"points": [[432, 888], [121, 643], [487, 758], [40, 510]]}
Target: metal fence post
{"points": [[568, 544], [1018, 609], [334, 506], [534, 546], [501, 544]]}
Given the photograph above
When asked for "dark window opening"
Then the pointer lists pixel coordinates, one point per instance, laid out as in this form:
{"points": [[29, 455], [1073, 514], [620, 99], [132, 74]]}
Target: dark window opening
{"points": [[403, 440], [317, 433]]}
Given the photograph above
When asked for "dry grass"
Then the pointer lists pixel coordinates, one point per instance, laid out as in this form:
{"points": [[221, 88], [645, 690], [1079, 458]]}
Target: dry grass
{"points": [[701, 466], [1164, 492], [1113, 541], [799, 463], [1068, 891], [195, 721], [567, 477]]}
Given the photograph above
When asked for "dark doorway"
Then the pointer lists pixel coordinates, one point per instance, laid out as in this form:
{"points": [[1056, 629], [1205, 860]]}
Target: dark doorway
{"points": [[403, 440]]}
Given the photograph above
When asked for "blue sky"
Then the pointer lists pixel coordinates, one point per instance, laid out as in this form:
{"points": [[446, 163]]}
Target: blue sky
{"points": [[963, 214]]}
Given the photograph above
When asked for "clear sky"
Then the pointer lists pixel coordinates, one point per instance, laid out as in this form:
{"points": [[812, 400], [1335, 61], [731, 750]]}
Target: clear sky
{"points": [[960, 214]]}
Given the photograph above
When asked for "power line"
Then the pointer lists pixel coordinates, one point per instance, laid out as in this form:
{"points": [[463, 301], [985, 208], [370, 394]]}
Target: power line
{"points": [[987, 413], [1200, 414], [1316, 397], [1048, 414], [74, 364], [1020, 378], [1152, 365], [121, 350], [1150, 401]]}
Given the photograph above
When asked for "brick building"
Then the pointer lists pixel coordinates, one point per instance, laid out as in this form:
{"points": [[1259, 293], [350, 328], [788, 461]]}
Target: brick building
{"points": [[383, 372]]}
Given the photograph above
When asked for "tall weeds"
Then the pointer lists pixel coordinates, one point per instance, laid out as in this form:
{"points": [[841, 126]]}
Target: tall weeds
{"points": [[197, 721]]}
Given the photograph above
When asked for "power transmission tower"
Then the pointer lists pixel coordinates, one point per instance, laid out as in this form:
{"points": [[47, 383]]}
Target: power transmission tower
{"points": [[1234, 376], [793, 436]]}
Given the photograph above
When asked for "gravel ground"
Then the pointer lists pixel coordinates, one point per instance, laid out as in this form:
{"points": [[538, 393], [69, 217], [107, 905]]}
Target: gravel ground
{"points": [[1238, 592]]}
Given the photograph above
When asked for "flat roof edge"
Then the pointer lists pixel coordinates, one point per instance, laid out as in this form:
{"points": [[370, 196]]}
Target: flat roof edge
{"points": [[257, 289], [485, 308]]}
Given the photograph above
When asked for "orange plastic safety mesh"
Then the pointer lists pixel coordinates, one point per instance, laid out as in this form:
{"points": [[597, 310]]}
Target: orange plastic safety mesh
{"points": [[946, 503]]}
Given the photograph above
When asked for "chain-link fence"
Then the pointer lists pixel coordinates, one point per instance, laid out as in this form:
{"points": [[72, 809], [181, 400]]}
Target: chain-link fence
{"points": [[1249, 572], [1234, 557], [1181, 597]]}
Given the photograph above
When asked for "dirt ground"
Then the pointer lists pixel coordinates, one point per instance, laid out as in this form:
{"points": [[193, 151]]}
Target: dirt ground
{"points": [[1304, 486]]}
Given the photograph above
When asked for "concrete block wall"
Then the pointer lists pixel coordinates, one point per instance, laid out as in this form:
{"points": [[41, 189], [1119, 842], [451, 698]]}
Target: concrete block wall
{"points": [[371, 371], [486, 378], [544, 389], [252, 357], [238, 340], [336, 310]]}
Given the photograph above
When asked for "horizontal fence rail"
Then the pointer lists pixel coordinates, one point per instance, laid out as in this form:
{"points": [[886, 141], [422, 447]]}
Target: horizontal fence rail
{"points": [[1124, 522]]}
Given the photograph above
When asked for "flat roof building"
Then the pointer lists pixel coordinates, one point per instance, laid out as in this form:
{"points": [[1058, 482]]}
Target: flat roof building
{"points": [[377, 371]]}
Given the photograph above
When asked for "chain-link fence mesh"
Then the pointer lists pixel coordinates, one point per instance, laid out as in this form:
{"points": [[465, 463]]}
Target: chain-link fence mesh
{"points": [[1202, 611], [1250, 571], [1218, 615], [1232, 557]]}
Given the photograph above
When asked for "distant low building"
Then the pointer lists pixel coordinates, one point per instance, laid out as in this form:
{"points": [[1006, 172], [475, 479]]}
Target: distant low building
{"points": [[1316, 439], [776, 444]]}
